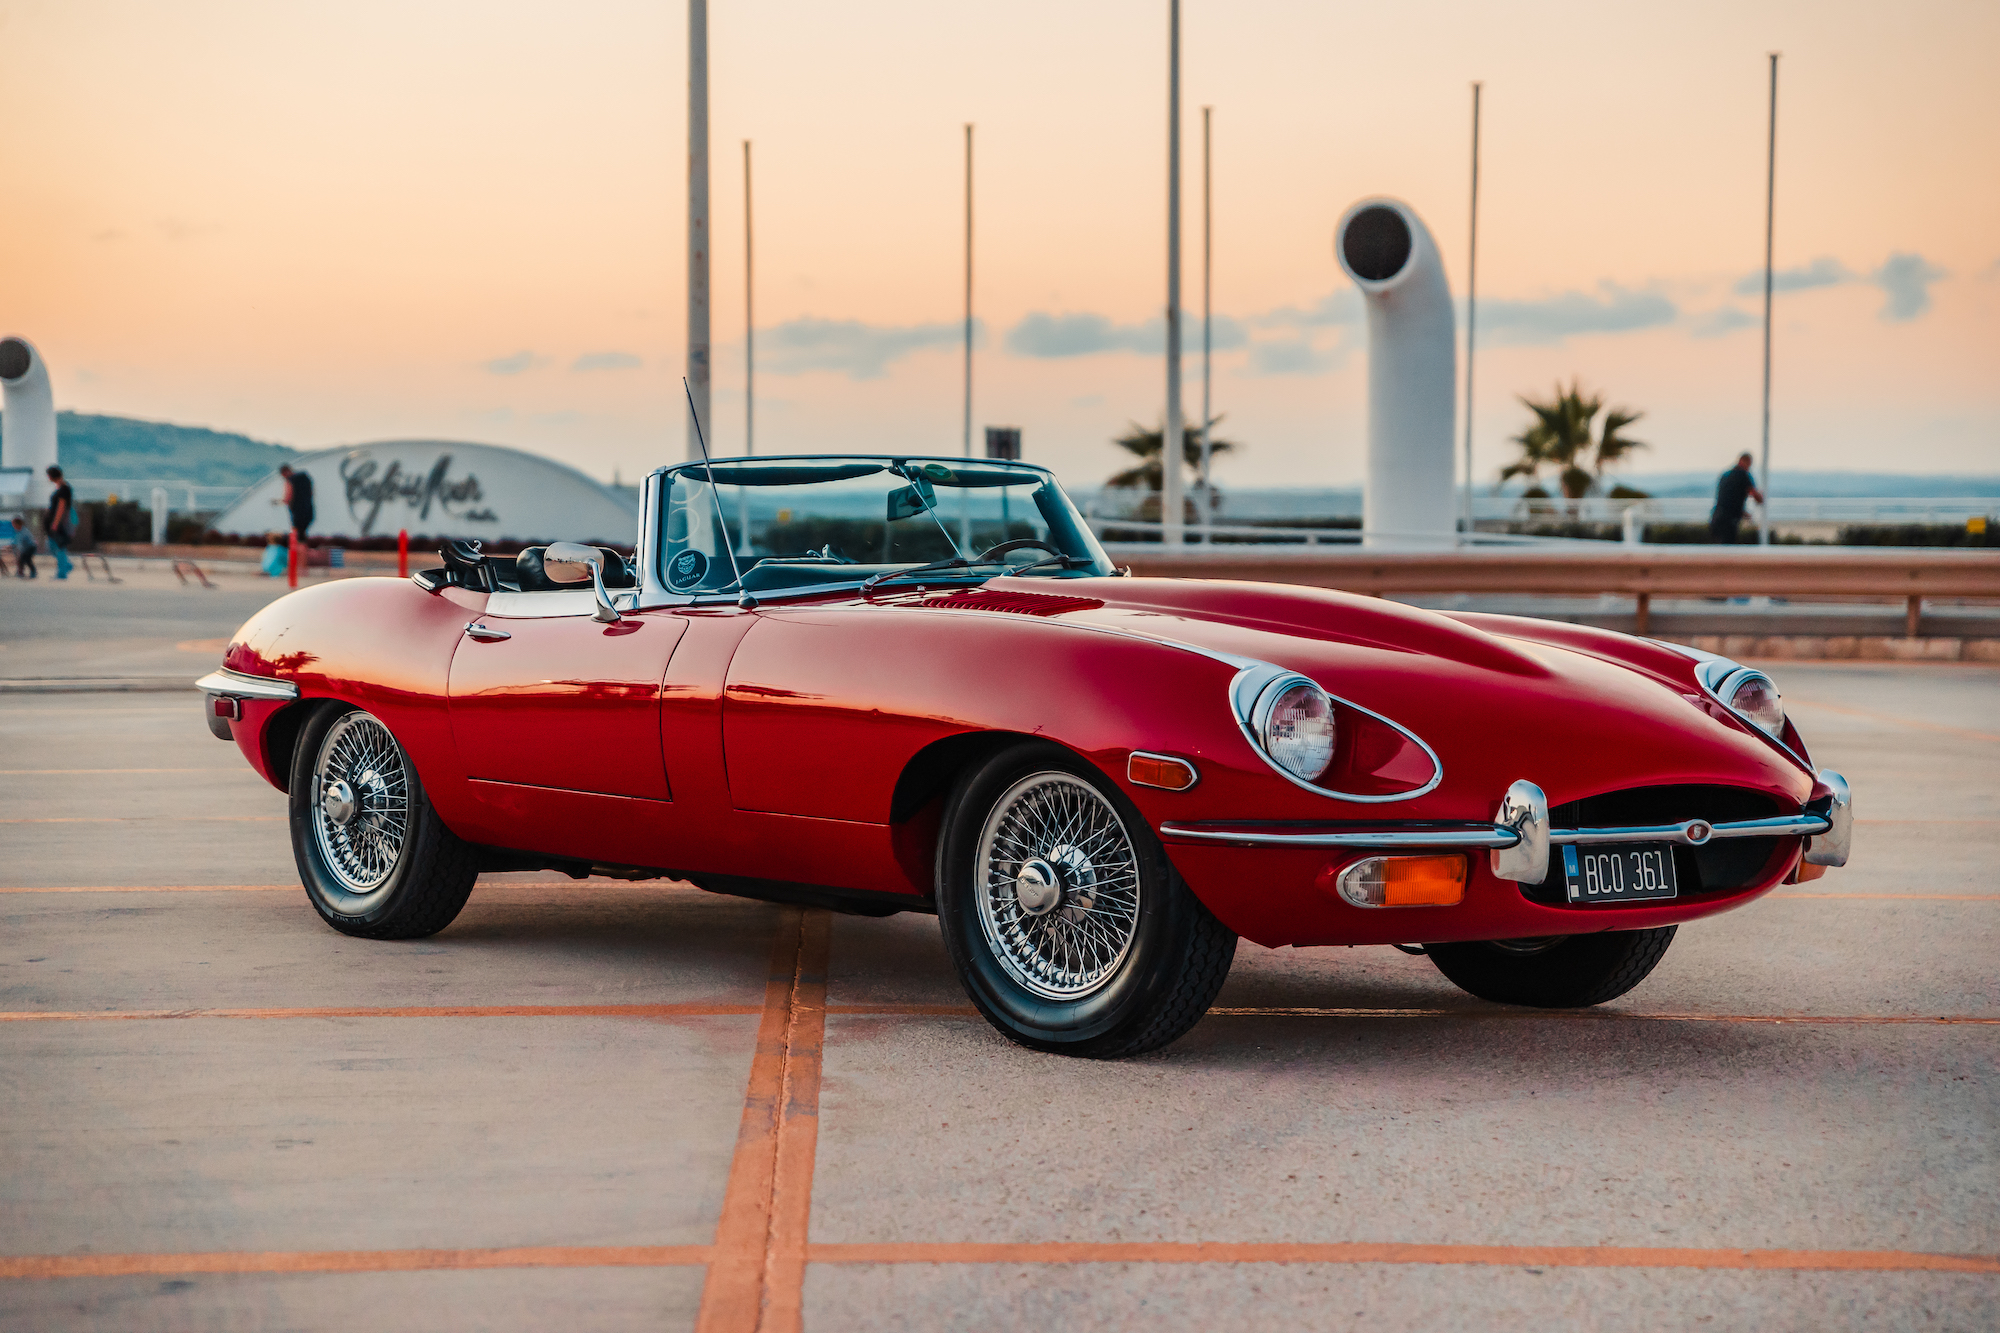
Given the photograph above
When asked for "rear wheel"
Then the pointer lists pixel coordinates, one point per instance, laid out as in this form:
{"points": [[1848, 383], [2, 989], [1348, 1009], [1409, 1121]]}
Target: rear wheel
{"points": [[375, 859], [1069, 929], [1561, 972]]}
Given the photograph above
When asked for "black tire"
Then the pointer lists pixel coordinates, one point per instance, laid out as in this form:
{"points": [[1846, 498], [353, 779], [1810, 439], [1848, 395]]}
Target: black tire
{"points": [[1569, 972], [413, 889], [1175, 954]]}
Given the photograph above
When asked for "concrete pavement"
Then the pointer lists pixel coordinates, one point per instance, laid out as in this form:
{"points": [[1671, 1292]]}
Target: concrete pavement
{"points": [[582, 1102]]}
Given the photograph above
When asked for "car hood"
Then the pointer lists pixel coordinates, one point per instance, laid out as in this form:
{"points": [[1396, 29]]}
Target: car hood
{"points": [[1578, 711]]}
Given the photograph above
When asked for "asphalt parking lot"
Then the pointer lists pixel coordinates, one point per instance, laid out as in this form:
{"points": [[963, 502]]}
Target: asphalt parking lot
{"points": [[597, 1105]]}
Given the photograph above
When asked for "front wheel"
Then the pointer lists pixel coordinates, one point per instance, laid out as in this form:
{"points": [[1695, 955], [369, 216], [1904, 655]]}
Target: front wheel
{"points": [[1067, 926], [1562, 972], [375, 859]]}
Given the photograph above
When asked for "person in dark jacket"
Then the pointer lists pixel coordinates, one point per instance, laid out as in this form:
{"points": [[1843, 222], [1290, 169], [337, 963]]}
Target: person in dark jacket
{"points": [[1735, 488], [298, 500], [60, 522]]}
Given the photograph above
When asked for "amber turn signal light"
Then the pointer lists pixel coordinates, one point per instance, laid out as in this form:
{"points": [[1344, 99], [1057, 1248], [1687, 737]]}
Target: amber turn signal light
{"points": [[1404, 881], [1160, 770]]}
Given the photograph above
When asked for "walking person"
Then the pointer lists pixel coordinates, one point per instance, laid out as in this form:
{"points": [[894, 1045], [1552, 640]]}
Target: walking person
{"points": [[298, 500], [24, 549], [1732, 490], [61, 520]]}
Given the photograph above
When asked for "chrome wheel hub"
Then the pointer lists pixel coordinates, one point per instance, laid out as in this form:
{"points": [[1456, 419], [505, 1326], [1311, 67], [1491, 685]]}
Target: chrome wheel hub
{"points": [[337, 799], [1058, 886], [363, 812]]}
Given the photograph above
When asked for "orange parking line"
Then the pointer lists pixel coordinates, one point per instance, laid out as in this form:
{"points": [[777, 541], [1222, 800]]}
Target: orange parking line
{"points": [[798, 1135], [1363, 1252], [409, 1011], [732, 1296], [138, 819], [50, 772], [352, 1261], [1563, 1015], [159, 888], [1891, 897]]}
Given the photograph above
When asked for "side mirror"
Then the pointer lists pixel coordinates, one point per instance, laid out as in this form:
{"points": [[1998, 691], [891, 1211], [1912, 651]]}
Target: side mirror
{"points": [[573, 562]]}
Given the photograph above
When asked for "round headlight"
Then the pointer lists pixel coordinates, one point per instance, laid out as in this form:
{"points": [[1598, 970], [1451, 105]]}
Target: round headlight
{"points": [[1755, 696], [1296, 729]]}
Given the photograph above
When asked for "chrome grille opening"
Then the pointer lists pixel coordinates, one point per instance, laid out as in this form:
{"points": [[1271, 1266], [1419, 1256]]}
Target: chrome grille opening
{"points": [[1718, 867]]}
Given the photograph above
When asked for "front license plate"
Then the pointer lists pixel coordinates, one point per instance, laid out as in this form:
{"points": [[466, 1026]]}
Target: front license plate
{"points": [[1620, 873]]}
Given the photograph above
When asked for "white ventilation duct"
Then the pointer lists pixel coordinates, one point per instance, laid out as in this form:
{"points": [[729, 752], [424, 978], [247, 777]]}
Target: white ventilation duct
{"points": [[1412, 374], [28, 427]]}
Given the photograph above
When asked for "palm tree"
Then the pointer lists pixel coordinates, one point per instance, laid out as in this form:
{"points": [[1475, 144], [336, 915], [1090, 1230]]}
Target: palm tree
{"points": [[1146, 476], [1559, 437]]}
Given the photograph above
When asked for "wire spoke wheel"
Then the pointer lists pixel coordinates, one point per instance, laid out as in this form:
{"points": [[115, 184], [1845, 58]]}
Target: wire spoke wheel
{"points": [[1057, 885], [361, 807]]}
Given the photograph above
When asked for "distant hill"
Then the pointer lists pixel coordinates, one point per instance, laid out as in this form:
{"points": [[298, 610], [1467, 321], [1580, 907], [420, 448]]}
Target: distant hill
{"points": [[125, 448]]}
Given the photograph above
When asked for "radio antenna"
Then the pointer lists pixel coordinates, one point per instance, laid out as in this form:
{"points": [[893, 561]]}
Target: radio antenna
{"points": [[708, 469]]}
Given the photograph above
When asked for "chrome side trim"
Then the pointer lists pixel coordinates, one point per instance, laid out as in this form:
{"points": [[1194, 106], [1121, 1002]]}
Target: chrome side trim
{"points": [[1473, 835], [239, 686], [1503, 839], [1525, 810], [1830, 848]]}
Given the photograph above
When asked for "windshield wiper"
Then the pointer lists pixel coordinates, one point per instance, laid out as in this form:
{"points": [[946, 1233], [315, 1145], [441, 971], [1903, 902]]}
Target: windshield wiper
{"points": [[952, 562]]}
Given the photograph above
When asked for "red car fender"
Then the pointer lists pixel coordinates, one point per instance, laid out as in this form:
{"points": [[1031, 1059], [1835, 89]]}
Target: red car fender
{"points": [[381, 644]]}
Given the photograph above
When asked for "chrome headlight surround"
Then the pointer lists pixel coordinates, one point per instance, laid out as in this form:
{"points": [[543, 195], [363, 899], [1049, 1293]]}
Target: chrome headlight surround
{"points": [[1720, 679], [1258, 682], [1730, 688], [1264, 715]]}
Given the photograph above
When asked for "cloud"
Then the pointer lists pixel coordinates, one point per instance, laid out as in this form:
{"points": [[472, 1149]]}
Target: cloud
{"points": [[511, 365], [1906, 279], [1615, 309], [1337, 308], [860, 351], [1054, 337], [1293, 356], [1724, 319], [1826, 271], [606, 361]]}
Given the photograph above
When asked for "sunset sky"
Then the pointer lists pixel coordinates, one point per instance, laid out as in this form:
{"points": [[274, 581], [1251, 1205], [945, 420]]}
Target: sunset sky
{"points": [[326, 224]]}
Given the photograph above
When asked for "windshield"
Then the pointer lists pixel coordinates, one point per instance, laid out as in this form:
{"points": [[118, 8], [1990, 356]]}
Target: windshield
{"points": [[796, 523]]}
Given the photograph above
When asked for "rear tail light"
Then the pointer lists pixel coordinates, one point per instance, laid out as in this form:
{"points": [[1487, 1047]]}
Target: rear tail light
{"points": [[1404, 881]]}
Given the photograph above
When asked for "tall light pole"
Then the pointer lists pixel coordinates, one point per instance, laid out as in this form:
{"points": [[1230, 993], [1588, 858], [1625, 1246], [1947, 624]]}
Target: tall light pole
{"points": [[697, 226], [1173, 432], [964, 500], [1770, 216], [749, 361], [1471, 304], [1207, 319]]}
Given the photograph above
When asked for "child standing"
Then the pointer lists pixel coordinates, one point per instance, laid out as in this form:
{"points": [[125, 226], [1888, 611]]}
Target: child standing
{"points": [[24, 549]]}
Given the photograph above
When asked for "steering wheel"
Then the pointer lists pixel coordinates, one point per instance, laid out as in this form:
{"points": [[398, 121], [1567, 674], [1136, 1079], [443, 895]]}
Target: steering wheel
{"points": [[1018, 544]]}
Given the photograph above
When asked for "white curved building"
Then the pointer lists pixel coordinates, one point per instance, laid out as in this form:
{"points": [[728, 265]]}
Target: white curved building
{"points": [[440, 488], [1412, 374], [27, 426]]}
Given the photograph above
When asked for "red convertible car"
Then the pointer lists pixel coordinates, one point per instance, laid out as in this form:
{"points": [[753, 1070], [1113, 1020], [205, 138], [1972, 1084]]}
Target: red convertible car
{"points": [[909, 684]]}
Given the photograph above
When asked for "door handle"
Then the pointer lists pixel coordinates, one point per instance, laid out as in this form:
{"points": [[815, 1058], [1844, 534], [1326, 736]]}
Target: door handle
{"points": [[485, 633]]}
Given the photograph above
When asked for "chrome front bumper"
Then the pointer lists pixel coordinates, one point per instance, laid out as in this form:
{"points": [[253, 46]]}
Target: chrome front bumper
{"points": [[223, 693], [1519, 837]]}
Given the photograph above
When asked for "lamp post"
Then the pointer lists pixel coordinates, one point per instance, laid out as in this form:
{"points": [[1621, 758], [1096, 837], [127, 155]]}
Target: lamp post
{"points": [[1471, 307], [1207, 321]]}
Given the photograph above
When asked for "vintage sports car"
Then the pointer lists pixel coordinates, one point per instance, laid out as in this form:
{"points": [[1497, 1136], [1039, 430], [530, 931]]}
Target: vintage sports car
{"points": [[910, 684]]}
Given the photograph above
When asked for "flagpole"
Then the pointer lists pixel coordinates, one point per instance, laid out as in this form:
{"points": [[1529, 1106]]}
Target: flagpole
{"points": [[1174, 431], [1471, 305], [697, 225], [1770, 223], [1207, 321]]}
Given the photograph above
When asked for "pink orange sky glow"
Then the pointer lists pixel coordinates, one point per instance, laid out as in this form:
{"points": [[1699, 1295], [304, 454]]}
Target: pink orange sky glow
{"points": [[328, 224]]}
